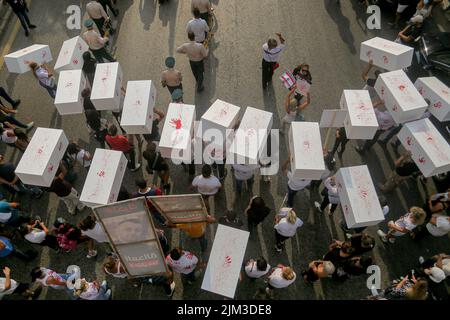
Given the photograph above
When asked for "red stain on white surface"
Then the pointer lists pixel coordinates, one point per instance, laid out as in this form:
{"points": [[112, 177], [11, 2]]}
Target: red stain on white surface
{"points": [[101, 173], [176, 123], [75, 61], [409, 141], [385, 60], [227, 260], [402, 87], [422, 160], [40, 151], [307, 144], [395, 108], [438, 105], [369, 53], [50, 168]]}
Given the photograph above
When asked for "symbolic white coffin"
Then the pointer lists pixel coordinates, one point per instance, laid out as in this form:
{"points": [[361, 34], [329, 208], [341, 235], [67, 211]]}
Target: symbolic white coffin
{"points": [[358, 198], [137, 112], [305, 146], [71, 54], [68, 98], [386, 54], [106, 89], [400, 96], [104, 178], [41, 159], [220, 116], [177, 133], [438, 93], [361, 121], [429, 150], [18, 62], [251, 136]]}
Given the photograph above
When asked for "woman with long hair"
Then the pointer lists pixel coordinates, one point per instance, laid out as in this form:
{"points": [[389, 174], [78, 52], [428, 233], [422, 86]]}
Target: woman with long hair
{"points": [[404, 225], [256, 212], [45, 77], [286, 227]]}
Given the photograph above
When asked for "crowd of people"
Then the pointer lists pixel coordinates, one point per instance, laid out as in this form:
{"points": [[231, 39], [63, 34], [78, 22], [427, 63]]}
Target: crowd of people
{"points": [[345, 258]]}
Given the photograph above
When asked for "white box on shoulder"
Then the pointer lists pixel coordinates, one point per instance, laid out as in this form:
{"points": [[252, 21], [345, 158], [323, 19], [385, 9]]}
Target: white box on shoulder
{"points": [[251, 136], [178, 132], [220, 116], [18, 62], [68, 98], [106, 89], [361, 121], [438, 93], [104, 178], [400, 96], [429, 149], [305, 146], [386, 54], [137, 112], [71, 54], [41, 159], [358, 197]]}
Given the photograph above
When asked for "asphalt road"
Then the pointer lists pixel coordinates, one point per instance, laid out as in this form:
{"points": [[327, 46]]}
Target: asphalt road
{"points": [[320, 33]]}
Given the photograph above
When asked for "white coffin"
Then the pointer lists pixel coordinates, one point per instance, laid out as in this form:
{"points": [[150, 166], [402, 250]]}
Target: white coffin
{"points": [[68, 98], [251, 136], [361, 121], [386, 54], [221, 116], [358, 198], [225, 261], [305, 146], [400, 96], [41, 159], [137, 112], [71, 54], [429, 149], [438, 93], [17, 62], [106, 89], [104, 178], [177, 133]]}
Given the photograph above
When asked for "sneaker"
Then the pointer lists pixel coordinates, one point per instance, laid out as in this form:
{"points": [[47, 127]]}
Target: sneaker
{"points": [[382, 236], [278, 249], [317, 205], [16, 103], [348, 235], [172, 289], [32, 26], [91, 254], [136, 168], [104, 283], [421, 260], [108, 294], [392, 240]]}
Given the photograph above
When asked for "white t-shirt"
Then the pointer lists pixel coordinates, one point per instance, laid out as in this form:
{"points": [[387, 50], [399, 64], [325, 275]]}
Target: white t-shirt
{"points": [[185, 265], [297, 184], [36, 236], [5, 216], [97, 233], [244, 172], [441, 228], [4, 292], [406, 222], [207, 186], [90, 293], [43, 77], [276, 279], [287, 229], [80, 158], [7, 139], [198, 27], [252, 271], [274, 54], [333, 194]]}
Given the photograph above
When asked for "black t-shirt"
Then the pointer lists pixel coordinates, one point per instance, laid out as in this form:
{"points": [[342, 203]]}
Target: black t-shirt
{"points": [[60, 187], [17, 5], [155, 161], [88, 105], [154, 136], [335, 257], [356, 242], [7, 171], [311, 276], [414, 31], [257, 216], [371, 82], [89, 66], [407, 169]]}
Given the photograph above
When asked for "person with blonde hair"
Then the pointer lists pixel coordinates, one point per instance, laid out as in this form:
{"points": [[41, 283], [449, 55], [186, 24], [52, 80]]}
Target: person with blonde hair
{"points": [[45, 76], [318, 269], [419, 291], [286, 224], [404, 225], [281, 277], [409, 288]]}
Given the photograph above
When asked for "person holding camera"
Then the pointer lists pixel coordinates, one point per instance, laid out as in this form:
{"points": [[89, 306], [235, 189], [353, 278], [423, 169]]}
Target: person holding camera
{"points": [[20, 8]]}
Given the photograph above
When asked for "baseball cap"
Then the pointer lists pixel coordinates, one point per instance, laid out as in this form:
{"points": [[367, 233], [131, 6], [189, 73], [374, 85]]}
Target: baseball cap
{"points": [[88, 23], [437, 275], [177, 94], [170, 62]]}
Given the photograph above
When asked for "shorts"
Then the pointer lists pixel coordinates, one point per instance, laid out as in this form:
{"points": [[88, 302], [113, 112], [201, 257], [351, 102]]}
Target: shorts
{"points": [[401, 8]]}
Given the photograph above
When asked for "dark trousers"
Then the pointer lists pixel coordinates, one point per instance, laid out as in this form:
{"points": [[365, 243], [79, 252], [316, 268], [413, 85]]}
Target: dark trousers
{"points": [[25, 256], [339, 142], [102, 54], [51, 242], [107, 3], [240, 185], [24, 20], [51, 90], [198, 68], [5, 96], [326, 202], [14, 121], [132, 158], [391, 133], [290, 198], [267, 72], [220, 168], [251, 225], [279, 239], [100, 23], [172, 89], [369, 143]]}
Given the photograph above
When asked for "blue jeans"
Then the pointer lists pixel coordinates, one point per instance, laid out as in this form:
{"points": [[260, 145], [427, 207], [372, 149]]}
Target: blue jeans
{"points": [[51, 90], [240, 184], [290, 198]]}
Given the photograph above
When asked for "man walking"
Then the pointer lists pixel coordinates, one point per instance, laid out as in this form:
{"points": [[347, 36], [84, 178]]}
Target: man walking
{"points": [[118, 142], [97, 43], [198, 26], [6, 96], [271, 55], [196, 53], [96, 12], [20, 8], [204, 6], [171, 78]]}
